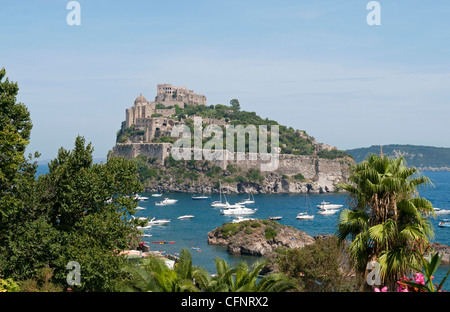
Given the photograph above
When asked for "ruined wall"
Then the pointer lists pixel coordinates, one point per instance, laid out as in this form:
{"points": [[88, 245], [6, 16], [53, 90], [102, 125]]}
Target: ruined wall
{"points": [[131, 150], [321, 175]]}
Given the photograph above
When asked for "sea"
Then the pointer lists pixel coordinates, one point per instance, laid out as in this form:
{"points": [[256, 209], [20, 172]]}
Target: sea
{"points": [[192, 233]]}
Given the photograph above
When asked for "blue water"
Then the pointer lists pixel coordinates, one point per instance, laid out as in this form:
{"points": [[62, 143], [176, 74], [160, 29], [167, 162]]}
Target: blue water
{"points": [[191, 233]]}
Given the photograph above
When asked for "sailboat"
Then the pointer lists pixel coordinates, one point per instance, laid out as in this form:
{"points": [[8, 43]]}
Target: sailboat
{"points": [[248, 200], [305, 215], [219, 203], [201, 197]]}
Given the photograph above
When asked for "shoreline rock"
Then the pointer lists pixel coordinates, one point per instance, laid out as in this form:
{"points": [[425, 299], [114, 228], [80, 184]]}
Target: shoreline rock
{"points": [[257, 237], [443, 250]]}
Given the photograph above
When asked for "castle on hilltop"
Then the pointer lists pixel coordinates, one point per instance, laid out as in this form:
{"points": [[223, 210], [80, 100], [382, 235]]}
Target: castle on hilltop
{"points": [[167, 97], [151, 118]]}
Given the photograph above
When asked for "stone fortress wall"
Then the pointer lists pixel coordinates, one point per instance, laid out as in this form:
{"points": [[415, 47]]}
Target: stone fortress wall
{"points": [[323, 173]]}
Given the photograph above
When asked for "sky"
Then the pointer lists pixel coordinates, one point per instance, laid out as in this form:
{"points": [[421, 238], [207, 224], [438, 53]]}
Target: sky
{"points": [[316, 66]]}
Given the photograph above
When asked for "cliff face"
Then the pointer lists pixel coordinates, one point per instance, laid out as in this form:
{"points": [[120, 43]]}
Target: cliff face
{"points": [[257, 237], [294, 174]]}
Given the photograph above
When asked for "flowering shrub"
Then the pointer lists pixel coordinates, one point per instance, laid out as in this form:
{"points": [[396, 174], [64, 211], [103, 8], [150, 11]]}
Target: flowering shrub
{"points": [[384, 289], [422, 280], [413, 284]]}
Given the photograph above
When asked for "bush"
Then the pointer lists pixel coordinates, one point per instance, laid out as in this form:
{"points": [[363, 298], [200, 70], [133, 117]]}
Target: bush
{"points": [[254, 175], [270, 232], [8, 285], [318, 267], [299, 177], [333, 154]]}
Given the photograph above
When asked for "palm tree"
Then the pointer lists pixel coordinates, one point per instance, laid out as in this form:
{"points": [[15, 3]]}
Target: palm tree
{"points": [[244, 279], [137, 279], [154, 275], [386, 216]]}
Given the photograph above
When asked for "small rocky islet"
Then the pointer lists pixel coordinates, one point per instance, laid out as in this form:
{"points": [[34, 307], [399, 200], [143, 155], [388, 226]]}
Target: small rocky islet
{"points": [[257, 237]]}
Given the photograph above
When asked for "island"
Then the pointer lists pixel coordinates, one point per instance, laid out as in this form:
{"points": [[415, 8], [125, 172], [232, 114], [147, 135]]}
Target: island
{"points": [[257, 237], [147, 137]]}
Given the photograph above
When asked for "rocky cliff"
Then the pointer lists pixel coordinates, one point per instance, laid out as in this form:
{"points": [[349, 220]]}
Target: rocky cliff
{"points": [[294, 174], [257, 237]]}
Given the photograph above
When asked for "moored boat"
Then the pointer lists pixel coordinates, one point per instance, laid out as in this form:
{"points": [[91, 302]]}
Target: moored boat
{"points": [[241, 219], [166, 201], [248, 200], [304, 216], [139, 197], [155, 221], [327, 211], [327, 205], [200, 197], [185, 217], [439, 211], [237, 210], [444, 223]]}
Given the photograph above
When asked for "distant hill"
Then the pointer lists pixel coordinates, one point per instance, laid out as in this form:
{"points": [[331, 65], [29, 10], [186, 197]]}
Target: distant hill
{"points": [[422, 157]]}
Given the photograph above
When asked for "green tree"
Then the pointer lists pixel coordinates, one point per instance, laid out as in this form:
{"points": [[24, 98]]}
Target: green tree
{"points": [[235, 104], [15, 129], [79, 211], [319, 267], [20, 254], [386, 216], [89, 206]]}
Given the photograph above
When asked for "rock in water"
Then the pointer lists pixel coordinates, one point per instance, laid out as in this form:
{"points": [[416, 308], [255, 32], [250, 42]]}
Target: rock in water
{"points": [[257, 237]]}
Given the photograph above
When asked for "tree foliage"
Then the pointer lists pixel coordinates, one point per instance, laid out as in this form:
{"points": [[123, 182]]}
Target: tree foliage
{"points": [[319, 267], [386, 216], [79, 211]]}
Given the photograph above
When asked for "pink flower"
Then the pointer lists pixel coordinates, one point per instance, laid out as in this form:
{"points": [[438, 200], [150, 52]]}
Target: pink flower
{"points": [[419, 278], [384, 289]]}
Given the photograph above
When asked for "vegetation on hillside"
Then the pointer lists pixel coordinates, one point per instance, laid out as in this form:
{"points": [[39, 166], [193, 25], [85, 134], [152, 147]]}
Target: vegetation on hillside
{"points": [[296, 142]]}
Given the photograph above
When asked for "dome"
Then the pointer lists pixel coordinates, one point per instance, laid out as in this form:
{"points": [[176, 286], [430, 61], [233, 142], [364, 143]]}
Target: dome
{"points": [[140, 99]]}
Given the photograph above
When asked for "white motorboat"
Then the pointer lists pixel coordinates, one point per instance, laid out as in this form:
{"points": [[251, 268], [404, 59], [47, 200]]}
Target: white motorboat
{"points": [[144, 227], [240, 210], [444, 223], [304, 216], [155, 221], [241, 219], [139, 197], [275, 218], [166, 201], [327, 205], [439, 211], [200, 197], [140, 208], [327, 211], [248, 200], [157, 195], [185, 217]]}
